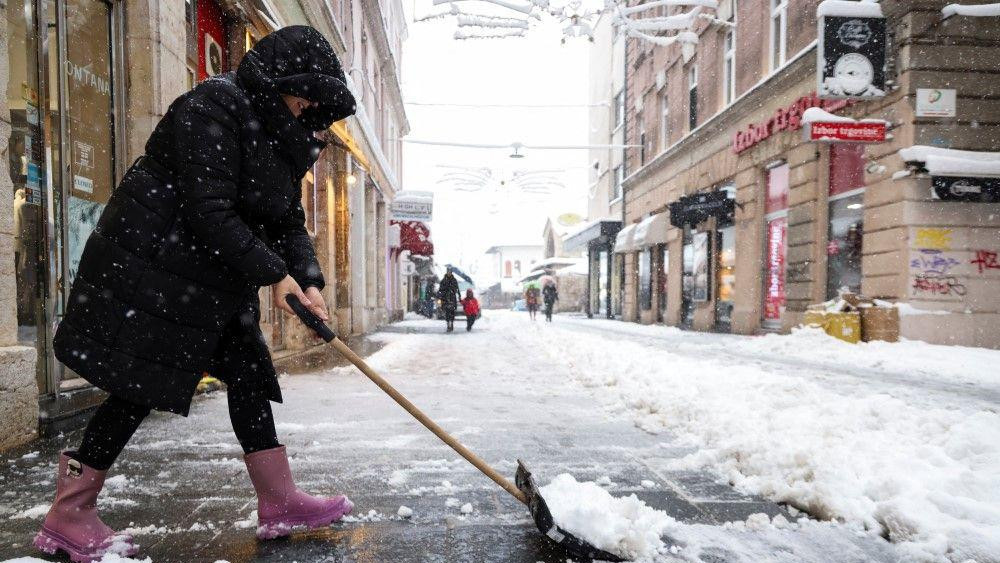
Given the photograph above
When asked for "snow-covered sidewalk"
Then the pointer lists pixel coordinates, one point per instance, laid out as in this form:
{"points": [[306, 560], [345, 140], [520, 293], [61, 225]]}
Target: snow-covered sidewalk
{"points": [[901, 439]]}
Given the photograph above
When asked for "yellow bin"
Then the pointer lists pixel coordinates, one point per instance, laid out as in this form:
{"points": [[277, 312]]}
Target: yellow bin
{"points": [[845, 326]]}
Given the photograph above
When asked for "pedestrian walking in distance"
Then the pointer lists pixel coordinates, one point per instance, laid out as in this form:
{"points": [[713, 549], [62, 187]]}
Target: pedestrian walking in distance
{"points": [[449, 295], [531, 301], [471, 307], [167, 284], [549, 296]]}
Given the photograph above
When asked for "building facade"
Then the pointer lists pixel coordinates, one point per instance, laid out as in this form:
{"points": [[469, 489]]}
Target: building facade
{"points": [[607, 173], [738, 223], [86, 82]]}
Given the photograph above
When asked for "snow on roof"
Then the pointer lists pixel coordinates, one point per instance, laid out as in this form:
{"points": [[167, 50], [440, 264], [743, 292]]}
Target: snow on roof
{"points": [[816, 114], [981, 10], [849, 8], [950, 162]]}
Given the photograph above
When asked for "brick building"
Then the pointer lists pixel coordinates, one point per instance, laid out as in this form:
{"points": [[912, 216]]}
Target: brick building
{"points": [[734, 223]]}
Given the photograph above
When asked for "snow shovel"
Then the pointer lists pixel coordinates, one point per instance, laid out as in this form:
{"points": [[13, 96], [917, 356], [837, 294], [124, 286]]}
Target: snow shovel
{"points": [[526, 489]]}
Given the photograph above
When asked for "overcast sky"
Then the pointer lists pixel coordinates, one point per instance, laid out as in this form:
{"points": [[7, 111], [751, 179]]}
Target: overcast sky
{"points": [[535, 69]]}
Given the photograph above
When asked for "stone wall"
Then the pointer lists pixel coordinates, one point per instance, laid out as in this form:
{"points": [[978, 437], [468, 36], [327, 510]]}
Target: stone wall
{"points": [[18, 387]]}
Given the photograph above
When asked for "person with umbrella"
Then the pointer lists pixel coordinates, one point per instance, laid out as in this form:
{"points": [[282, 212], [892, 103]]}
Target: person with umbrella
{"points": [[449, 295]]}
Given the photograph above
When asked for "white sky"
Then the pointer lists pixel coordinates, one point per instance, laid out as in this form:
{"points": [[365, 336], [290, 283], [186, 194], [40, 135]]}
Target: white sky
{"points": [[536, 69]]}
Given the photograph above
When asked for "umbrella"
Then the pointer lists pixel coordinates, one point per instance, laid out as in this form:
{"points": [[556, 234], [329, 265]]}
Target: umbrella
{"points": [[547, 280]]}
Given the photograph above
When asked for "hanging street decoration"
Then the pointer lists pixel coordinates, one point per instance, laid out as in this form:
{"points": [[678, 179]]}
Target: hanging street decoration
{"points": [[578, 19]]}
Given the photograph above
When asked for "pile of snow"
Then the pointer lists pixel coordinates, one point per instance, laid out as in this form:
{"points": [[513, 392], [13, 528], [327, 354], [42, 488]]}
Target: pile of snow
{"points": [[404, 512], [979, 10], [623, 526], [108, 558], [951, 162], [917, 462], [36, 511]]}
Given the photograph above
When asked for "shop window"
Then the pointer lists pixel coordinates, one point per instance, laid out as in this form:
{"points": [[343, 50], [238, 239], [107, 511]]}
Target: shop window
{"points": [[687, 280], [618, 285], [604, 283], [779, 32], [693, 95], [846, 214], [725, 277], [645, 279]]}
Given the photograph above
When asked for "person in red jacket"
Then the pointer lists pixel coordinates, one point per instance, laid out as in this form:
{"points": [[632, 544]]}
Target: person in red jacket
{"points": [[471, 307]]}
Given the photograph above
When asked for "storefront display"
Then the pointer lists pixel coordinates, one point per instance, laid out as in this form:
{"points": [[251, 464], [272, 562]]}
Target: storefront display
{"points": [[725, 277], [662, 278], [775, 243], [687, 280], [846, 213], [645, 279]]}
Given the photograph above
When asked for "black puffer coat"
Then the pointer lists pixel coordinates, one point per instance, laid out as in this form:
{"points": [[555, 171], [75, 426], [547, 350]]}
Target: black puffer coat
{"points": [[167, 283]]}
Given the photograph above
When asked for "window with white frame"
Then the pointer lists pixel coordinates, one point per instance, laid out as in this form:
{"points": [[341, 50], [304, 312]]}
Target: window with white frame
{"points": [[693, 95], [664, 120], [616, 191], [619, 108], [729, 67], [779, 32]]}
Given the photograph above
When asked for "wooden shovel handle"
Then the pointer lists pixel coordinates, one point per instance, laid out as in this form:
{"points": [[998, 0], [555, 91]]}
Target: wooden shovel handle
{"points": [[430, 424]]}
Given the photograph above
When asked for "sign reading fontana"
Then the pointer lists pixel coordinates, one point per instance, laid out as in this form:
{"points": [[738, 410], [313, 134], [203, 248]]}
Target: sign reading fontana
{"points": [[860, 132], [787, 118]]}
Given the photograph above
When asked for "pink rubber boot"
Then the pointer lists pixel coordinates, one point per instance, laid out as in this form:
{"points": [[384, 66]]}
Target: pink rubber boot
{"points": [[281, 506], [72, 524]]}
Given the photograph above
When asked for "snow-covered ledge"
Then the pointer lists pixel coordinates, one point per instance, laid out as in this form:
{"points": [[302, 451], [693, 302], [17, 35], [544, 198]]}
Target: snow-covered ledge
{"points": [[977, 10], [939, 161]]}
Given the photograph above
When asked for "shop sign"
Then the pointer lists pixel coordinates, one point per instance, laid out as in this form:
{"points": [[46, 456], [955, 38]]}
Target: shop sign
{"points": [[693, 209], [851, 57], [859, 132], [963, 188], [787, 118], [33, 190], [774, 283], [415, 208], [213, 56], [935, 102]]}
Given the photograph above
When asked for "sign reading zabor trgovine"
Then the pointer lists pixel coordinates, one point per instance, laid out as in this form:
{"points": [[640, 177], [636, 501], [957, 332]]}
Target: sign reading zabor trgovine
{"points": [[851, 50]]}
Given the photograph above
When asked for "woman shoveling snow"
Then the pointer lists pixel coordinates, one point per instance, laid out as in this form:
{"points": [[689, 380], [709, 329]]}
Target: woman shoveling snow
{"points": [[167, 284]]}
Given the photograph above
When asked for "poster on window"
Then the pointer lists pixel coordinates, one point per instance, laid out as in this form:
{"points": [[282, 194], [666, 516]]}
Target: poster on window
{"points": [[700, 267], [774, 279], [87, 71], [851, 51]]}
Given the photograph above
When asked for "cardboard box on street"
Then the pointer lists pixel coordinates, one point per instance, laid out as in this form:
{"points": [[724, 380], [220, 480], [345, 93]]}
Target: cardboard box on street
{"points": [[843, 325]]}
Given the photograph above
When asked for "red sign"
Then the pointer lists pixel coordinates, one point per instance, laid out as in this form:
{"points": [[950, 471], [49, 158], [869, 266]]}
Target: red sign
{"points": [[847, 132], [789, 118], [774, 282]]}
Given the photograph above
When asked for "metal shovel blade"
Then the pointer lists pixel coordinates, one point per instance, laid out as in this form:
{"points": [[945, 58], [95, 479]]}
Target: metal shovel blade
{"points": [[573, 545]]}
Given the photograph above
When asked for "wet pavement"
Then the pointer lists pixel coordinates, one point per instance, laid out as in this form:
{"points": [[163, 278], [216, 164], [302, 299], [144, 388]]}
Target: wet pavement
{"points": [[182, 489]]}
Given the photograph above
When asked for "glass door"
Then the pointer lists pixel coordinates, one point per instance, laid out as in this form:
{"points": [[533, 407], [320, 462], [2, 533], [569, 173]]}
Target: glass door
{"points": [[85, 136]]}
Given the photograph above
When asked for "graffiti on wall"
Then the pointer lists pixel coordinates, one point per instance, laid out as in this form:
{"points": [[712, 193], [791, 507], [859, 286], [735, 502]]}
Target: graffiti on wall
{"points": [[937, 271]]}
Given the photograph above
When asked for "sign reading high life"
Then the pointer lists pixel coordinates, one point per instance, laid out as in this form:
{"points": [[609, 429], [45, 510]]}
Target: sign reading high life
{"points": [[859, 132], [851, 50], [412, 206]]}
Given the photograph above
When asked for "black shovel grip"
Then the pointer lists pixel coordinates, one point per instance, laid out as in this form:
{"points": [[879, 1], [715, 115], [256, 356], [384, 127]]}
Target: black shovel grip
{"points": [[310, 319]]}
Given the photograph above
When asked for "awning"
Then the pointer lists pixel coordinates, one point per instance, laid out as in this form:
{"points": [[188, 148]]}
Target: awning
{"points": [[652, 230], [594, 231], [415, 237], [625, 241], [695, 208]]}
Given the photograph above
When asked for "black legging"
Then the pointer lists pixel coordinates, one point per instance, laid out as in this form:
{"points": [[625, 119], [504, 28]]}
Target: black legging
{"points": [[116, 420]]}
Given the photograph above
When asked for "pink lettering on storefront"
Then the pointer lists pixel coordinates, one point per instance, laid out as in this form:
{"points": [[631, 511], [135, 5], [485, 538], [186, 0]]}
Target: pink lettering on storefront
{"points": [[784, 119], [774, 288]]}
